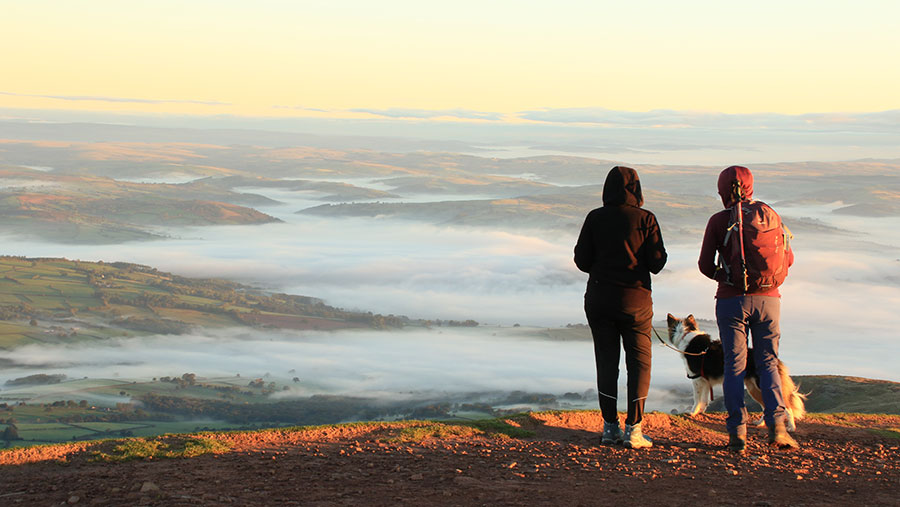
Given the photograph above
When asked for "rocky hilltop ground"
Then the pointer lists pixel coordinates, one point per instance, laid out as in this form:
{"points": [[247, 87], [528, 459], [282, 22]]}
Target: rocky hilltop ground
{"points": [[550, 458]]}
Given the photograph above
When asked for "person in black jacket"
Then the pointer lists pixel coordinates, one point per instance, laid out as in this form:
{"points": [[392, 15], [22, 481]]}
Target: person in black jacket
{"points": [[619, 246]]}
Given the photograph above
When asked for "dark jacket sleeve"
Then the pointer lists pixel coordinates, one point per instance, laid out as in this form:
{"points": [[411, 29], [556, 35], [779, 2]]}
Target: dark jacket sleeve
{"points": [[655, 250], [584, 248], [707, 261]]}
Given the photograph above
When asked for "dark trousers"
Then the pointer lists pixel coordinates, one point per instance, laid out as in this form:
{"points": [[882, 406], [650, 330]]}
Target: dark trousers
{"points": [[620, 318], [760, 316]]}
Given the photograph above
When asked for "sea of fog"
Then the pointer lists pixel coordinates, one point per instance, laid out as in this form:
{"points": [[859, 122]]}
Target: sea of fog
{"points": [[838, 311], [394, 365]]}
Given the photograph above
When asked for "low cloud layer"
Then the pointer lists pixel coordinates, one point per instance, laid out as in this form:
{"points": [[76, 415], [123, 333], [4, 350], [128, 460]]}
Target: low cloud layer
{"points": [[408, 364], [838, 305], [884, 121], [429, 114]]}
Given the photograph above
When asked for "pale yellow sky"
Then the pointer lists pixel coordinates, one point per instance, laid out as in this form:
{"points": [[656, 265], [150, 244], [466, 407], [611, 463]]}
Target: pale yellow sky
{"points": [[289, 58]]}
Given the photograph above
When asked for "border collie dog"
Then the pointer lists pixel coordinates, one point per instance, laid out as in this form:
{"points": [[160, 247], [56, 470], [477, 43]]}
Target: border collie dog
{"points": [[706, 370]]}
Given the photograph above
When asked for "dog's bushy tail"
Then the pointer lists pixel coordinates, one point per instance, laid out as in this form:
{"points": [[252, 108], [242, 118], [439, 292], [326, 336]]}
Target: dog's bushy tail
{"points": [[791, 393]]}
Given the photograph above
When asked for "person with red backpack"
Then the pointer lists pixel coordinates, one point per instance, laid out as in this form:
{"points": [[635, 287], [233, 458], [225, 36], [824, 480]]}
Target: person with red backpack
{"points": [[754, 254]]}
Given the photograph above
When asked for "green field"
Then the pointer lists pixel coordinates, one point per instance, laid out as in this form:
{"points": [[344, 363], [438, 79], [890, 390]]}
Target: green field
{"points": [[67, 411], [38, 430], [12, 334], [31, 434], [52, 432]]}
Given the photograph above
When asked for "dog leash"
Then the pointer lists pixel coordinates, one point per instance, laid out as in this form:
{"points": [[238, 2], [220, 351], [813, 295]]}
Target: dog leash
{"points": [[676, 350]]}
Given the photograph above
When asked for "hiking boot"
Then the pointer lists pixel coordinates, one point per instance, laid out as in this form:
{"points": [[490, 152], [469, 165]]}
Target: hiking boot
{"points": [[780, 438], [612, 434], [634, 439], [736, 443]]}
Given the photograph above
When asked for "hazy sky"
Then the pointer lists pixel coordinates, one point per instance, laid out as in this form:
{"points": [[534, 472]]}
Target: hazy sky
{"points": [[478, 60]]}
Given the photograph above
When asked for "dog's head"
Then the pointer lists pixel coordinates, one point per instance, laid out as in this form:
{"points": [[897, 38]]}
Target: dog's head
{"points": [[679, 329]]}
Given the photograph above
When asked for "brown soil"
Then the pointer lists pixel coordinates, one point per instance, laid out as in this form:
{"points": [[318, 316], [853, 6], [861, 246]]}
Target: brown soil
{"points": [[843, 460]]}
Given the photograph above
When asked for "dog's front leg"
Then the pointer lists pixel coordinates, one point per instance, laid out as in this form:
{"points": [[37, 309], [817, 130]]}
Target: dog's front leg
{"points": [[701, 395]]}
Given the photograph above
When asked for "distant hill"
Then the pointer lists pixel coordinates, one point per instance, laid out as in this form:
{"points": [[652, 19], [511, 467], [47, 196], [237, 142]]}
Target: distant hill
{"points": [[58, 300], [549, 210], [85, 182], [97, 210]]}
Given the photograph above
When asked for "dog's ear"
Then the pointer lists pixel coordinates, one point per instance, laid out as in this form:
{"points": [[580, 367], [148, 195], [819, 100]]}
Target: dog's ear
{"points": [[690, 323], [671, 319]]}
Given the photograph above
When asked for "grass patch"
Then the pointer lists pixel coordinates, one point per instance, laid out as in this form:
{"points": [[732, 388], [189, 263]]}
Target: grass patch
{"points": [[7, 327], [857, 421], [47, 302], [198, 318], [154, 428], [413, 431], [432, 430], [839, 419], [52, 434], [500, 426], [416, 431], [41, 426], [9, 299], [109, 427], [892, 433], [164, 447]]}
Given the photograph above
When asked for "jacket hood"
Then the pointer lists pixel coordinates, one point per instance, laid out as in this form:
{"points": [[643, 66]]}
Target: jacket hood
{"points": [[622, 187], [726, 184]]}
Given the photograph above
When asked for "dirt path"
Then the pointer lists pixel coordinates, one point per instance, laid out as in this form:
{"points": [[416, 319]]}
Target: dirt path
{"points": [[843, 460]]}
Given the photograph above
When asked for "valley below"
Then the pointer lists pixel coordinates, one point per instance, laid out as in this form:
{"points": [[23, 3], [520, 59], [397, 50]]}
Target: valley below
{"points": [[190, 281]]}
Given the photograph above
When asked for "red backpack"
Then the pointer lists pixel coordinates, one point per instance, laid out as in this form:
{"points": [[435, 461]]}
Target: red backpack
{"points": [[754, 254]]}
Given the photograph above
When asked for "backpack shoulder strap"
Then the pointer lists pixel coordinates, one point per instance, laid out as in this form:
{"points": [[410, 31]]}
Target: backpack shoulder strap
{"points": [[731, 225]]}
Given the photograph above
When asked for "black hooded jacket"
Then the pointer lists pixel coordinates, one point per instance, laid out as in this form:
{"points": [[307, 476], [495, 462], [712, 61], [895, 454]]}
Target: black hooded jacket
{"points": [[620, 244]]}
